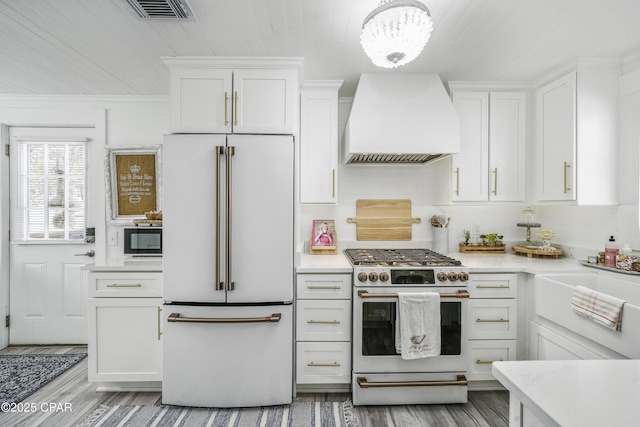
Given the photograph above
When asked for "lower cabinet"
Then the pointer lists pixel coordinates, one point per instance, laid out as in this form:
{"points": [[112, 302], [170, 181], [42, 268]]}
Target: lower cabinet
{"points": [[492, 314], [125, 339], [323, 331], [124, 312]]}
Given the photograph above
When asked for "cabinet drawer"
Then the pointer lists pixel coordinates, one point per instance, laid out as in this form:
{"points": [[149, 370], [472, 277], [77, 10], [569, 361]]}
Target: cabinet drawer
{"points": [[482, 353], [493, 285], [492, 319], [324, 286], [323, 363], [125, 284], [323, 320]]}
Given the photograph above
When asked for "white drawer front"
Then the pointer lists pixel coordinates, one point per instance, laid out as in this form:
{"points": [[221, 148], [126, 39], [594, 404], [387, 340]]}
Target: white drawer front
{"points": [[324, 286], [125, 284], [483, 353], [493, 285], [492, 319], [323, 320], [323, 363]]}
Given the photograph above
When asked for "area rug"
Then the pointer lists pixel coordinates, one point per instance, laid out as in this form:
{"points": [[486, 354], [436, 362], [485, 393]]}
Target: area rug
{"points": [[24, 374], [298, 414]]}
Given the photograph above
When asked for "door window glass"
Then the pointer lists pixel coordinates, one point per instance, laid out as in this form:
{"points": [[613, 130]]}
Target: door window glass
{"points": [[51, 191]]}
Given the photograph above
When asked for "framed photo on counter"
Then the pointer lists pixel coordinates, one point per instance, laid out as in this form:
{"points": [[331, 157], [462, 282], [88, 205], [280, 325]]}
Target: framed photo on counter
{"points": [[323, 236]]}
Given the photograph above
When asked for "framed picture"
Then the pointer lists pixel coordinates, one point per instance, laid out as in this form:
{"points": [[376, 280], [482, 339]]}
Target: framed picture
{"points": [[323, 234], [133, 182]]}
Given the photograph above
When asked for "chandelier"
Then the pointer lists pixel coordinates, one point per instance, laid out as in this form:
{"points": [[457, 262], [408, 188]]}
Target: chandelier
{"points": [[395, 32]]}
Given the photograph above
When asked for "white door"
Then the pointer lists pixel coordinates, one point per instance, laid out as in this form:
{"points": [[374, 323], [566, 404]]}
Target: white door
{"points": [[50, 200]]}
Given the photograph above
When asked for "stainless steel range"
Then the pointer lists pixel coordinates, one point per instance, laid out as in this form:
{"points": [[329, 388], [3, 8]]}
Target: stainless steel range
{"points": [[380, 374]]}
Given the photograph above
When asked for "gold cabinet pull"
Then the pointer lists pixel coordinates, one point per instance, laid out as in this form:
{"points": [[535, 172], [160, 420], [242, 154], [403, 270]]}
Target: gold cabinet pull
{"points": [[333, 183], [274, 318], [124, 285], [495, 182], [492, 287], [159, 321], [492, 320], [566, 167], [457, 181], [458, 294], [235, 108], [324, 287], [461, 380], [332, 365], [226, 102], [486, 362], [324, 322]]}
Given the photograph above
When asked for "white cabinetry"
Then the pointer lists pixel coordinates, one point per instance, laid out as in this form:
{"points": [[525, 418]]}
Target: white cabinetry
{"points": [[492, 314], [226, 95], [125, 335], [491, 162], [319, 141], [323, 331], [576, 119]]}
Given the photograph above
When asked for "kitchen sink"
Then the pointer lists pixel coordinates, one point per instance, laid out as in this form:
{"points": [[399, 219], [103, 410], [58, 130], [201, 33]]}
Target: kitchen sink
{"points": [[553, 302]]}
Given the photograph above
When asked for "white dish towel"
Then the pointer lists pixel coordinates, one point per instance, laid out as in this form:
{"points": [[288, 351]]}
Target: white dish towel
{"points": [[601, 308], [418, 325]]}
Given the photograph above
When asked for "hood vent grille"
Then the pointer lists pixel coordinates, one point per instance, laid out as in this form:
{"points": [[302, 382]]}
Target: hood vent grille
{"points": [[161, 9], [393, 158]]}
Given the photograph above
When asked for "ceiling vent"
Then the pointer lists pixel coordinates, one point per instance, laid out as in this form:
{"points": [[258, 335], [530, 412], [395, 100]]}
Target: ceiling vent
{"points": [[161, 9]]}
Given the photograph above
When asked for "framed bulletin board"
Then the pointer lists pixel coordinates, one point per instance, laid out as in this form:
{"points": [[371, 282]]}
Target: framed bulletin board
{"points": [[133, 182]]}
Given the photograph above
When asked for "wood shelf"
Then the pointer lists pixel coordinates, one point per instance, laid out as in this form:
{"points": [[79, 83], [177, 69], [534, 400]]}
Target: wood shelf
{"points": [[483, 249]]}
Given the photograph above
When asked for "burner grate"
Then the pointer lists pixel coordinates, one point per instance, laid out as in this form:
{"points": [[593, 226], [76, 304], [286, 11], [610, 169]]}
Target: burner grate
{"points": [[398, 257]]}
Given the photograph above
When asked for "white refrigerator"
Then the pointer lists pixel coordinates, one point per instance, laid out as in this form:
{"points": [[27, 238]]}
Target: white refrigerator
{"points": [[228, 215]]}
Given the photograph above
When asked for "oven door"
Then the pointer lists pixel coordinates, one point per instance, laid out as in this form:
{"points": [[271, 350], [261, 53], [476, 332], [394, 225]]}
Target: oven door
{"points": [[374, 318]]}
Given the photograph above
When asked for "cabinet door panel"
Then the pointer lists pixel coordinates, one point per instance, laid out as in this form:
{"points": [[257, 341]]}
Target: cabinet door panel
{"points": [[556, 133], [507, 135], [469, 167], [265, 101]]}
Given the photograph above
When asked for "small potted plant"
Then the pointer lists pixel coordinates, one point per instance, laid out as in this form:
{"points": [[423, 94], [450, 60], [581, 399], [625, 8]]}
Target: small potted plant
{"points": [[491, 239], [467, 236]]}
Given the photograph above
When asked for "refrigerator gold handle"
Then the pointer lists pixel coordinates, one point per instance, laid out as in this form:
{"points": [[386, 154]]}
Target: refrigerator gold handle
{"points": [[218, 283], [460, 380], [175, 317], [229, 282]]}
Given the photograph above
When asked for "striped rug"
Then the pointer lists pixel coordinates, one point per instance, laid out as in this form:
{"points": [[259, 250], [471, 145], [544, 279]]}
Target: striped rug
{"points": [[307, 414]]}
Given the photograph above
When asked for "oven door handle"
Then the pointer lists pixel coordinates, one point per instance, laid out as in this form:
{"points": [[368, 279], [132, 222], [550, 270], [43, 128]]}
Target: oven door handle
{"points": [[461, 380], [459, 294]]}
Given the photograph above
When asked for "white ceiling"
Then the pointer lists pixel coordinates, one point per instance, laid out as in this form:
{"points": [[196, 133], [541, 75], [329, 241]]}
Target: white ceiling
{"points": [[99, 47]]}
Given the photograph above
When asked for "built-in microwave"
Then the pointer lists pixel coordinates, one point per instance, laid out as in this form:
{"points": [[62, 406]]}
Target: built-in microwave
{"points": [[141, 241]]}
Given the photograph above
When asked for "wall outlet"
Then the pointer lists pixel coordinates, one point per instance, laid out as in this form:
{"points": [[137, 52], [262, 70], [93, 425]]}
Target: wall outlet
{"points": [[475, 229], [112, 239]]}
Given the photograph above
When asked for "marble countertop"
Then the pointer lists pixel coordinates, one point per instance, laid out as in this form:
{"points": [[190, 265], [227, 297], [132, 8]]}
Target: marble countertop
{"points": [[575, 392], [497, 263]]}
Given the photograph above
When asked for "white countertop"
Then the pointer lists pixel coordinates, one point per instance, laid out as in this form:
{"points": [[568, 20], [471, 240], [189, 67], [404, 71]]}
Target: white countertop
{"points": [[128, 265], [575, 392]]}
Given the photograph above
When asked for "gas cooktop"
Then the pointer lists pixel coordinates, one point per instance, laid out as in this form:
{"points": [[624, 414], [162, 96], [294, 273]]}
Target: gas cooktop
{"points": [[398, 258]]}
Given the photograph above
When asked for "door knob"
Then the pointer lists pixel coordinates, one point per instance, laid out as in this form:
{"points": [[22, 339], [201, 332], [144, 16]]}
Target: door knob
{"points": [[90, 253]]}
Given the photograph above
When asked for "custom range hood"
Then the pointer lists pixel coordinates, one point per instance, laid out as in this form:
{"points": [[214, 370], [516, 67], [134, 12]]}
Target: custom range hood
{"points": [[401, 118]]}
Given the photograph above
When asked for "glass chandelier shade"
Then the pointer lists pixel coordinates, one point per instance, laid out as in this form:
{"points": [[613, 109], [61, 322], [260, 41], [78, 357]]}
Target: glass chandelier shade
{"points": [[395, 32]]}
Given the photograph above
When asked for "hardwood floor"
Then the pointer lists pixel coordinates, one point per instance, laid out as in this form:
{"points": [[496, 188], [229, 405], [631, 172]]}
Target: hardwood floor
{"points": [[483, 409]]}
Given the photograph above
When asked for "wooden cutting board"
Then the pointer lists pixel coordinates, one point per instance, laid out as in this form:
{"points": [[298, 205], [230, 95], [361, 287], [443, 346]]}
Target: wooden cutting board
{"points": [[383, 219]]}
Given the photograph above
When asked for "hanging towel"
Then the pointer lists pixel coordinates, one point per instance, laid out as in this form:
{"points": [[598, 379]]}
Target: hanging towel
{"points": [[418, 325], [601, 308]]}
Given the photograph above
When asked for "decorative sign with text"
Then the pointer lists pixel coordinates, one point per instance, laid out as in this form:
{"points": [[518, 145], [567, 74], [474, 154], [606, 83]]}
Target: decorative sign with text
{"points": [[136, 183]]}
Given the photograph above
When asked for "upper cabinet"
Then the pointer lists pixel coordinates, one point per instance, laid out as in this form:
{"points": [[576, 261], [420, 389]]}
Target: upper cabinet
{"points": [[319, 141], [231, 95], [491, 164], [576, 136]]}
